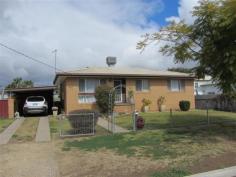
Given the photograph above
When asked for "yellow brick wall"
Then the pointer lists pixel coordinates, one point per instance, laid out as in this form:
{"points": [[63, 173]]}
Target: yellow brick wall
{"points": [[158, 87], [11, 108]]}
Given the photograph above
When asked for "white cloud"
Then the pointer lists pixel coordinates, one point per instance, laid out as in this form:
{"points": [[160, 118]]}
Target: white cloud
{"points": [[184, 11], [173, 18], [84, 32]]}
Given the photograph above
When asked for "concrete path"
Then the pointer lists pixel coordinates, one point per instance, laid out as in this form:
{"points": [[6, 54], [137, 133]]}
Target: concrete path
{"points": [[6, 135], [104, 123], [225, 172], [43, 131]]}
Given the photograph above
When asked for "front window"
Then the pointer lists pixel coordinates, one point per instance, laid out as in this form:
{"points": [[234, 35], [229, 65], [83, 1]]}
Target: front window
{"points": [[88, 85], [87, 89], [87, 99], [176, 85], [142, 85]]}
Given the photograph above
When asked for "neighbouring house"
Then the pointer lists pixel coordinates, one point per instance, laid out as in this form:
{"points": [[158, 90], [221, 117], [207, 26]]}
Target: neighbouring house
{"points": [[77, 88], [206, 86]]}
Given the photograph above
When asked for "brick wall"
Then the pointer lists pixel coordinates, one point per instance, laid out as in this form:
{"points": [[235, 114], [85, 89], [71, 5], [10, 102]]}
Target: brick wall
{"points": [[158, 87]]}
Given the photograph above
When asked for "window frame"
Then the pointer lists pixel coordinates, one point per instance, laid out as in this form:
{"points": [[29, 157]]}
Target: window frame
{"points": [[85, 85], [142, 85], [85, 94], [181, 85]]}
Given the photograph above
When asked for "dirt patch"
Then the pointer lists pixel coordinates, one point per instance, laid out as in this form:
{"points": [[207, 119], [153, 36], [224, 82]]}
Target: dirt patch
{"points": [[102, 163], [214, 162], [28, 159]]}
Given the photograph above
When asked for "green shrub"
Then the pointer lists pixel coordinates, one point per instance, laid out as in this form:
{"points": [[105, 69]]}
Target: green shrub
{"points": [[184, 105], [102, 98]]}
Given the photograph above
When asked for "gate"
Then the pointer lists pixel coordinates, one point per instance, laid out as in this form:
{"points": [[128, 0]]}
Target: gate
{"points": [[77, 124], [3, 108]]}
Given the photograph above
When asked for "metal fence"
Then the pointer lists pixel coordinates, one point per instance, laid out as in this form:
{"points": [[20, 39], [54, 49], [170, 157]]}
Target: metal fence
{"points": [[80, 124], [217, 102]]}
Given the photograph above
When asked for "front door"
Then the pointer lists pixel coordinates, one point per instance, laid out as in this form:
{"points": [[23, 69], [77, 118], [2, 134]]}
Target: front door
{"points": [[118, 91]]}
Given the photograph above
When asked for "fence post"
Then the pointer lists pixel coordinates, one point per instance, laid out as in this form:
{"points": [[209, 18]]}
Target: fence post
{"points": [[207, 112], [135, 114], [171, 117]]}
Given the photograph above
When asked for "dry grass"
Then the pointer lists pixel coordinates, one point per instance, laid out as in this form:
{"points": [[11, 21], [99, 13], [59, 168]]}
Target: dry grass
{"points": [[4, 123], [27, 131], [175, 149]]}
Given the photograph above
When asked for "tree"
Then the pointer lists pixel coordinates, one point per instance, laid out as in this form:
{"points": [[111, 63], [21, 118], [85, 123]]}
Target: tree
{"points": [[20, 83], [102, 94], [210, 41]]}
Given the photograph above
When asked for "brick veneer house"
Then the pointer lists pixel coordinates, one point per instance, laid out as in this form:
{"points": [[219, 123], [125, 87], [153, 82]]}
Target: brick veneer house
{"points": [[77, 87]]}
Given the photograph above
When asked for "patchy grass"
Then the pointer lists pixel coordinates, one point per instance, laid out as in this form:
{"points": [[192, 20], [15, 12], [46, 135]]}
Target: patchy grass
{"points": [[27, 131], [4, 123], [161, 144], [178, 147]]}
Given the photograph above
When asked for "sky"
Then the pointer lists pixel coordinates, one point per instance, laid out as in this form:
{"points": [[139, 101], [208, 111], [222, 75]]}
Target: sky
{"points": [[84, 32]]}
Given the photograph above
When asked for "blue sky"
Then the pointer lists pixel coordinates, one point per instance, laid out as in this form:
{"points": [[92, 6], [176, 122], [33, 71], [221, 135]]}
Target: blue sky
{"points": [[170, 8]]}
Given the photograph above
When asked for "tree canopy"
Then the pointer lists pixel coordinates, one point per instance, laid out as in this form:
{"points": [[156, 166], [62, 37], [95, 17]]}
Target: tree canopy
{"points": [[210, 41], [20, 83]]}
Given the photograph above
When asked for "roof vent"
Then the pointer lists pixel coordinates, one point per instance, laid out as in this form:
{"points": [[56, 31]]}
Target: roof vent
{"points": [[111, 61]]}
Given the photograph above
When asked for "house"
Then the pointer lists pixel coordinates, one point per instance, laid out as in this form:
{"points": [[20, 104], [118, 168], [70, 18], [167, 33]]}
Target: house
{"points": [[206, 86], [77, 88]]}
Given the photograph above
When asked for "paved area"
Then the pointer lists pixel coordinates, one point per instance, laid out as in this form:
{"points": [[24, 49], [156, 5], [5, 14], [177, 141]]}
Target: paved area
{"points": [[28, 160], [104, 123], [6, 135], [43, 131], [225, 172]]}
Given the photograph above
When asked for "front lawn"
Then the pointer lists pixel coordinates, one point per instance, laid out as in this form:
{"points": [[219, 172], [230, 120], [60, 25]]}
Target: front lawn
{"points": [[177, 148], [163, 120], [4, 123]]}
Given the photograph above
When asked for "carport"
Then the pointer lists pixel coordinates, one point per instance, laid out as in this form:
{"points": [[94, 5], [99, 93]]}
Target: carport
{"points": [[20, 95]]}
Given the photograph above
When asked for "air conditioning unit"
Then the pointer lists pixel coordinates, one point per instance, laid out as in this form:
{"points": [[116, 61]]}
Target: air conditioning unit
{"points": [[111, 61]]}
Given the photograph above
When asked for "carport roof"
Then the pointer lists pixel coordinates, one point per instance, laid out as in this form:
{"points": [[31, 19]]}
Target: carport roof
{"points": [[43, 88]]}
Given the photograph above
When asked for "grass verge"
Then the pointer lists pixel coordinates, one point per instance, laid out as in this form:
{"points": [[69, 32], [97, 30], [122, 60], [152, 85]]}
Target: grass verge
{"points": [[4, 123]]}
